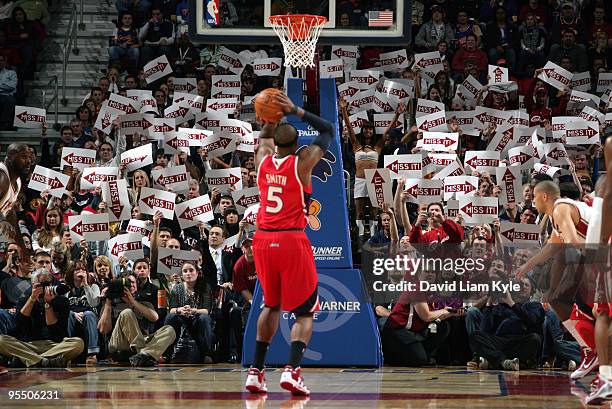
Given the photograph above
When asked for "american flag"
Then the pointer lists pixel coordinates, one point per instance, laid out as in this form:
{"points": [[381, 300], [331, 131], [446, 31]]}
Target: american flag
{"points": [[380, 19]]}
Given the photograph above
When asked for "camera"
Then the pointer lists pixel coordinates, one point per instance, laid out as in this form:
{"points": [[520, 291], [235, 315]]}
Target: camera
{"points": [[59, 289], [115, 288]]}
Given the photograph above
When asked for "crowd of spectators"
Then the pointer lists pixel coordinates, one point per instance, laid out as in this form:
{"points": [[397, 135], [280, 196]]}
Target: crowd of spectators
{"points": [[208, 303]]}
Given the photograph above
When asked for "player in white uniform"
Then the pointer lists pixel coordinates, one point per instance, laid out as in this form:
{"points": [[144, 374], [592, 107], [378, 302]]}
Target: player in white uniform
{"points": [[15, 167]]}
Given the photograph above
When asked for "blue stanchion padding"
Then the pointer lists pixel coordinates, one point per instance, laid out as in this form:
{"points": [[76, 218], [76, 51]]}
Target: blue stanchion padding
{"points": [[328, 213], [344, 331]]}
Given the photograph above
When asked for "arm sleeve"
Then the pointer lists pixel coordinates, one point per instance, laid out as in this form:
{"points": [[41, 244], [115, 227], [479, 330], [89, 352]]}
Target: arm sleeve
{"points": [[324, 127], [454, 231], [92, 293], [59, 330], [415, 234]]}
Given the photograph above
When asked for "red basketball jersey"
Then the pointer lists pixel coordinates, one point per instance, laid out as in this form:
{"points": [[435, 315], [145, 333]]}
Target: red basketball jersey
{"points": [[283, 199]]}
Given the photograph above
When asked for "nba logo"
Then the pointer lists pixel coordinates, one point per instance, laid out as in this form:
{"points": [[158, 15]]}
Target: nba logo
{"points": [[212, 12]]}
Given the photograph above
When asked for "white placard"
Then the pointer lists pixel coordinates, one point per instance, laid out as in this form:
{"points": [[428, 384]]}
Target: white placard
{"points": [[191, 212], [363, 99], [453, 169], [482, 161], [578, 132], [90, 227], [511, 182], [137, 158], [132, 124], [521, 156], [348, 89], [93, 177], [426, 107], [471, 88], [121, 105], [485, 116], [267, 67], [556, 76], [399, 89], [48, 179], [497, 74], [519, 118], [590, 114], [408, 166], [175, 142], [170, 261], [180, 112], [347, 53], [435, 122], [358, 120], [394, 60], [581, 81], [382, 122], [430, 63], [140, 227], [331, 69], [223, 179], [157, 69], [126, 245], [174, 179], [547, 169], [145, 98], [440, 141], [604, 81], [520, 235], [245, 198], [478, 210], [378, 182], [160, 127], [226, 86], [555, 154], [117, 198], [465, 121], [209, 120], [232, 61], [78, 158], [152, 200], [457, 186], [194, 137], [381, 103], [503, 139], [225, 105], [425, 191], [105, 118], [188, 85], [29, 117], [368, 77], [442, 160]]}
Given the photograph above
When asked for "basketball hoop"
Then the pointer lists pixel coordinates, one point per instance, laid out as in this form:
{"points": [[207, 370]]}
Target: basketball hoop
{"points": [[299, 34]]}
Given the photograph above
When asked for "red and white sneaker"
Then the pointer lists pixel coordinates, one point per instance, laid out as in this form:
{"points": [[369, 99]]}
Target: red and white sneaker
{"points": [[601, 393], [589, 362], [256, 382], [293, 382]]}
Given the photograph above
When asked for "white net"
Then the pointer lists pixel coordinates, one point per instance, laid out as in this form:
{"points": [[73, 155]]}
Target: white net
{"points": [[299, 35]]}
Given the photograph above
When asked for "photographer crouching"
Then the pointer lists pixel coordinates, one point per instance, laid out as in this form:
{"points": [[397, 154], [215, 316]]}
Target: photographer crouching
{"points": [[42, 318], [131, 323]]}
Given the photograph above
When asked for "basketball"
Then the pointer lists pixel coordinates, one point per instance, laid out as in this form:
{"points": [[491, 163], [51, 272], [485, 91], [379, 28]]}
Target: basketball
{"points": [[266, 107]]}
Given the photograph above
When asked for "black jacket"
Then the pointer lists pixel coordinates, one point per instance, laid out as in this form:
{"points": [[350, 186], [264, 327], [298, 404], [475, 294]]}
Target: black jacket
{"points": [[34, 327]]}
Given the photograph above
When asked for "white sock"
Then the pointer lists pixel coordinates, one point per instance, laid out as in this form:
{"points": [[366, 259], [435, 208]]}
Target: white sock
{"points": [[361, 226], [605, 371], [373, 228]]}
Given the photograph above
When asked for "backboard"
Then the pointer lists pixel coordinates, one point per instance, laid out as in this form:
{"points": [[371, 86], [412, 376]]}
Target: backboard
{"points": [[378, 22]]}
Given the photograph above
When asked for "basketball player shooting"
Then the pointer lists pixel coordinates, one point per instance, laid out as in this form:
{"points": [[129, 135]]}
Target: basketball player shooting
{"points": [[283, 255]]}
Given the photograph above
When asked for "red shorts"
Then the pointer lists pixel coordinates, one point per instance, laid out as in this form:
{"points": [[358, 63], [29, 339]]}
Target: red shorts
{"points": [[286, 270]]}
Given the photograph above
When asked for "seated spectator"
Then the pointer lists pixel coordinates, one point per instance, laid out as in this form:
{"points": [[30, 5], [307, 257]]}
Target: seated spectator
{"points": [[22, 35], [125, 42], [14, 283], [84, 298], [209, 57], [52, 224], [252, 53], [190, 303], [12, 55], [8, 87], [510, 333], [535, 7], [182, 12], [36, 10], [434, 31], [140, 8], [470, 55], [42, 319], [602, 52], [569, 19], [501, 39], [387, 234], [185, 57], [131, 323], [465, 28], [156, 36], [599, 25], [489, 9], [408, 335], [569, 48], [533, 41]]}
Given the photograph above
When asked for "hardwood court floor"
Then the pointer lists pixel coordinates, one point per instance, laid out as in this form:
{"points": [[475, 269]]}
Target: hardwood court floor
{"points": [[221, 386]]}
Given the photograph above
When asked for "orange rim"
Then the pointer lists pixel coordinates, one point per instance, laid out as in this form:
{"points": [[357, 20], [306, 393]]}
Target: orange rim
{"points": [[298, 25]]}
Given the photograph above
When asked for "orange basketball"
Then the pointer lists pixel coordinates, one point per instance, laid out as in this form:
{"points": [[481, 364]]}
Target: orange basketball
{"points": [[266, 107]]}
